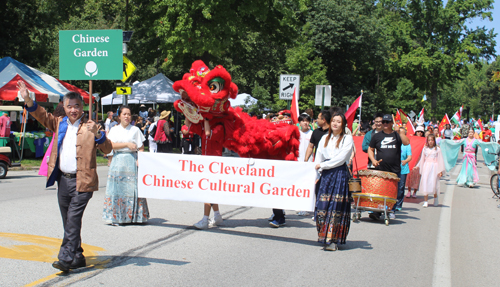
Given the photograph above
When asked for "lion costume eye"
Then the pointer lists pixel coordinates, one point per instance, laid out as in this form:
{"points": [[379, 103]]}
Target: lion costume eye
{"points": [[216, 85]]}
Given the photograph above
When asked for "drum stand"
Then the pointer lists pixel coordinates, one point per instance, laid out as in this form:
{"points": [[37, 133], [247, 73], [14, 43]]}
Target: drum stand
{"points": [[358, 209]]}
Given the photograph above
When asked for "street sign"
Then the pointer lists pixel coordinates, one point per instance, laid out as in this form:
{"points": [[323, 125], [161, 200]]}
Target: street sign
{"points": [[123, 90], [411, 114], [288, 85], [90, 55], [327, 90], [128, 68]]}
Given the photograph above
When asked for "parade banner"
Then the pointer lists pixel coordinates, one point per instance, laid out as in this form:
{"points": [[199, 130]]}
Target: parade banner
{"points": [[227, 180]]}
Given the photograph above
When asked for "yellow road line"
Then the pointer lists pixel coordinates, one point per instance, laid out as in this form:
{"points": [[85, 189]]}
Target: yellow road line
{"points": [[39, 281]]}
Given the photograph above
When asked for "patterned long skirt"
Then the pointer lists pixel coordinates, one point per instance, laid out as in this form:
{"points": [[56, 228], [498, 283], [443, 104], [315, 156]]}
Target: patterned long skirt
{"points": [[333, 207], [121, 204]]}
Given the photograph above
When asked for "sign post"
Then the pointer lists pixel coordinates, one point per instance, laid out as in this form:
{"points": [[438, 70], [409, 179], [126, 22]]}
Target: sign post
{"points": [[90, 99], [90, 55], [323, 96], [289, 84]]}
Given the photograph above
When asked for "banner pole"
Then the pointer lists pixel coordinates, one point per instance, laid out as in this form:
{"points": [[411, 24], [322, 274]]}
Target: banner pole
{"points": [[361, 103]]}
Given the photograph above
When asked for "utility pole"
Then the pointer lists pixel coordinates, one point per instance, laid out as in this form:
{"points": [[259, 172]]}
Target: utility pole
{"points": [[126, 14]]}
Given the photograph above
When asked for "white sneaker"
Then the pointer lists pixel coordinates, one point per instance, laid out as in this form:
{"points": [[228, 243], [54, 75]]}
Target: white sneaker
{"points": [[217, 220], [425, 204], [414, 195], [392, 216], [202, 224], [408, 195]]}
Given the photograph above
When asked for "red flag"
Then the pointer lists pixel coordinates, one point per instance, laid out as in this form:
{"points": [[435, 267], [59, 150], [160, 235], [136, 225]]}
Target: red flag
{"points": [[397, 119], [444, 121], [294, 110], [480, 122], [410, 130], [361, 158], [351, 113]]}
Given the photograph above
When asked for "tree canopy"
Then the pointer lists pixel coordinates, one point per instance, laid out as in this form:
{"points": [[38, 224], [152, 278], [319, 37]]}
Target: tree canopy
{"points": [[396, 51]]}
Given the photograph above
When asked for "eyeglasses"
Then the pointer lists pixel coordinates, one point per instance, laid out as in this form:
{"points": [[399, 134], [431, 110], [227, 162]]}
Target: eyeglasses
{"points": [[386, 122], [378, 122]]}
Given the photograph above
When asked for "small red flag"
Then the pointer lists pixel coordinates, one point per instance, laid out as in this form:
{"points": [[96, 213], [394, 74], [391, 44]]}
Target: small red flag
{"points": [[445, 121], [294, 110]]}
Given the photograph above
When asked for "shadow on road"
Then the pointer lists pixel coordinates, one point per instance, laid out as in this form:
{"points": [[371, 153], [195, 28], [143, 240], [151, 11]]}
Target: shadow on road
{"points": [[19, 177], [228, 224], [352, 244], [108, 262]]}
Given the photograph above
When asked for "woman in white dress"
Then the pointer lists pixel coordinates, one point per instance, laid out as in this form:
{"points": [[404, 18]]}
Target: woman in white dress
{"points": [[431, 166], [121, 204]]}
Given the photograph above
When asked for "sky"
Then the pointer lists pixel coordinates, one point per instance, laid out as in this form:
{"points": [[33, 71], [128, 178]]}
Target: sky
{"points": [[490, 24]]}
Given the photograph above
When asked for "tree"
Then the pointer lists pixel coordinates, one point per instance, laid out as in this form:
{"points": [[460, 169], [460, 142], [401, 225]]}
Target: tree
{"points": [[431, 44]]}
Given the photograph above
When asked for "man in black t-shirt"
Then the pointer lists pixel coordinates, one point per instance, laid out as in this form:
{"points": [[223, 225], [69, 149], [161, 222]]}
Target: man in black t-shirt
{"points": [[323, 121], [388, 146]]}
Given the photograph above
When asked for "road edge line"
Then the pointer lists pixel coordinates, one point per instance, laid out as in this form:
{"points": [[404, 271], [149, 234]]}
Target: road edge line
{"points": [[442, 257]]}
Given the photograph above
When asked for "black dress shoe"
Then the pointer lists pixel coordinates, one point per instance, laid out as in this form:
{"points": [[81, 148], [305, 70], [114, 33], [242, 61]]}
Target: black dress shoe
{"points": [[61, 265], [78, 263]]}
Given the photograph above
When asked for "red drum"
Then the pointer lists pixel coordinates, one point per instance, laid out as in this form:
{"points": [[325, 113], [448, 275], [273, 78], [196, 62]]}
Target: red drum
{"points": [[380, 184]]}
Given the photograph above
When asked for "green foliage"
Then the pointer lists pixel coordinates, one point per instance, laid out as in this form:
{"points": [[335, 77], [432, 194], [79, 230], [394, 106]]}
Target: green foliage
{"points": [[430, 43], [396, 51]]}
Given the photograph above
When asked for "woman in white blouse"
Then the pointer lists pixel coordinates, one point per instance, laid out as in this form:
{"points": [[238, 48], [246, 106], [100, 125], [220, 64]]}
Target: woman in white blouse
{"points": [[333, 207], [121, 204]]}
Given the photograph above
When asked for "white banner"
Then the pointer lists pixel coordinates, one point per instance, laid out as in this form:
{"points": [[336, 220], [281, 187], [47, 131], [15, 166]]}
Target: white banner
{"points": [[227, 180]]}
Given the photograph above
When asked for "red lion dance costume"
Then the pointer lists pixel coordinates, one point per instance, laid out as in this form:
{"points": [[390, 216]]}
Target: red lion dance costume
{"points": [[205, 96]]}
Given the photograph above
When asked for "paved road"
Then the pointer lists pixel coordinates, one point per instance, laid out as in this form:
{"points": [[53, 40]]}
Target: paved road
{"points": [[450, 245]]}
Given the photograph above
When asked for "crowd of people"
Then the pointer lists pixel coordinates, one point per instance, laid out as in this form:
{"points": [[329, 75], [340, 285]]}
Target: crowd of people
{"points": [[327, 141]]}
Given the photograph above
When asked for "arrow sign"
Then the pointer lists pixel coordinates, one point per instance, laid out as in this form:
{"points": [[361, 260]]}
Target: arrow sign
{"points": [[123, 90], [288, 87], [289, 84]]}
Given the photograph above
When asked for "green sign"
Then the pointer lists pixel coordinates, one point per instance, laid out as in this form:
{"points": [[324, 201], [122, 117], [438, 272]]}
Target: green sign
{"points": [[90, 55]]}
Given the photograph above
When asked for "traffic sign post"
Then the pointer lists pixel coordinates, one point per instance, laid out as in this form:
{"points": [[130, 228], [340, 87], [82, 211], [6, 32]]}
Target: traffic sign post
{"points": [[288, 85], [123, 90], [90, 55], [128, 69], [323, 96]]}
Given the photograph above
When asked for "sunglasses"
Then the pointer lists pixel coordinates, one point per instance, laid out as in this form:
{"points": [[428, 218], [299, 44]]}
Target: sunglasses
{"points": [[386, 122]]}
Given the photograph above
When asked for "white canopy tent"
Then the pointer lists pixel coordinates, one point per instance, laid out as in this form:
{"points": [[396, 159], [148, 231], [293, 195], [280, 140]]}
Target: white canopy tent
{"points": [[157, 89], [241, 99], [118, 100]]}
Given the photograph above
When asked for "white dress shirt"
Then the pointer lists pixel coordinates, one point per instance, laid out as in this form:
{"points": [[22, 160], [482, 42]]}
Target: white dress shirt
{"points": [[130, 134], [67, 157], [330, 156]]}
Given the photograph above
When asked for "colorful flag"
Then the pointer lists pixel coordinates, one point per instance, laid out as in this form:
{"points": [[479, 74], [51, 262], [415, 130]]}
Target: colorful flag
{"points": [[294, 109], [421, 117], [480, 124], [351, 113], [424, 98], [456, 118], [445, 121]]}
